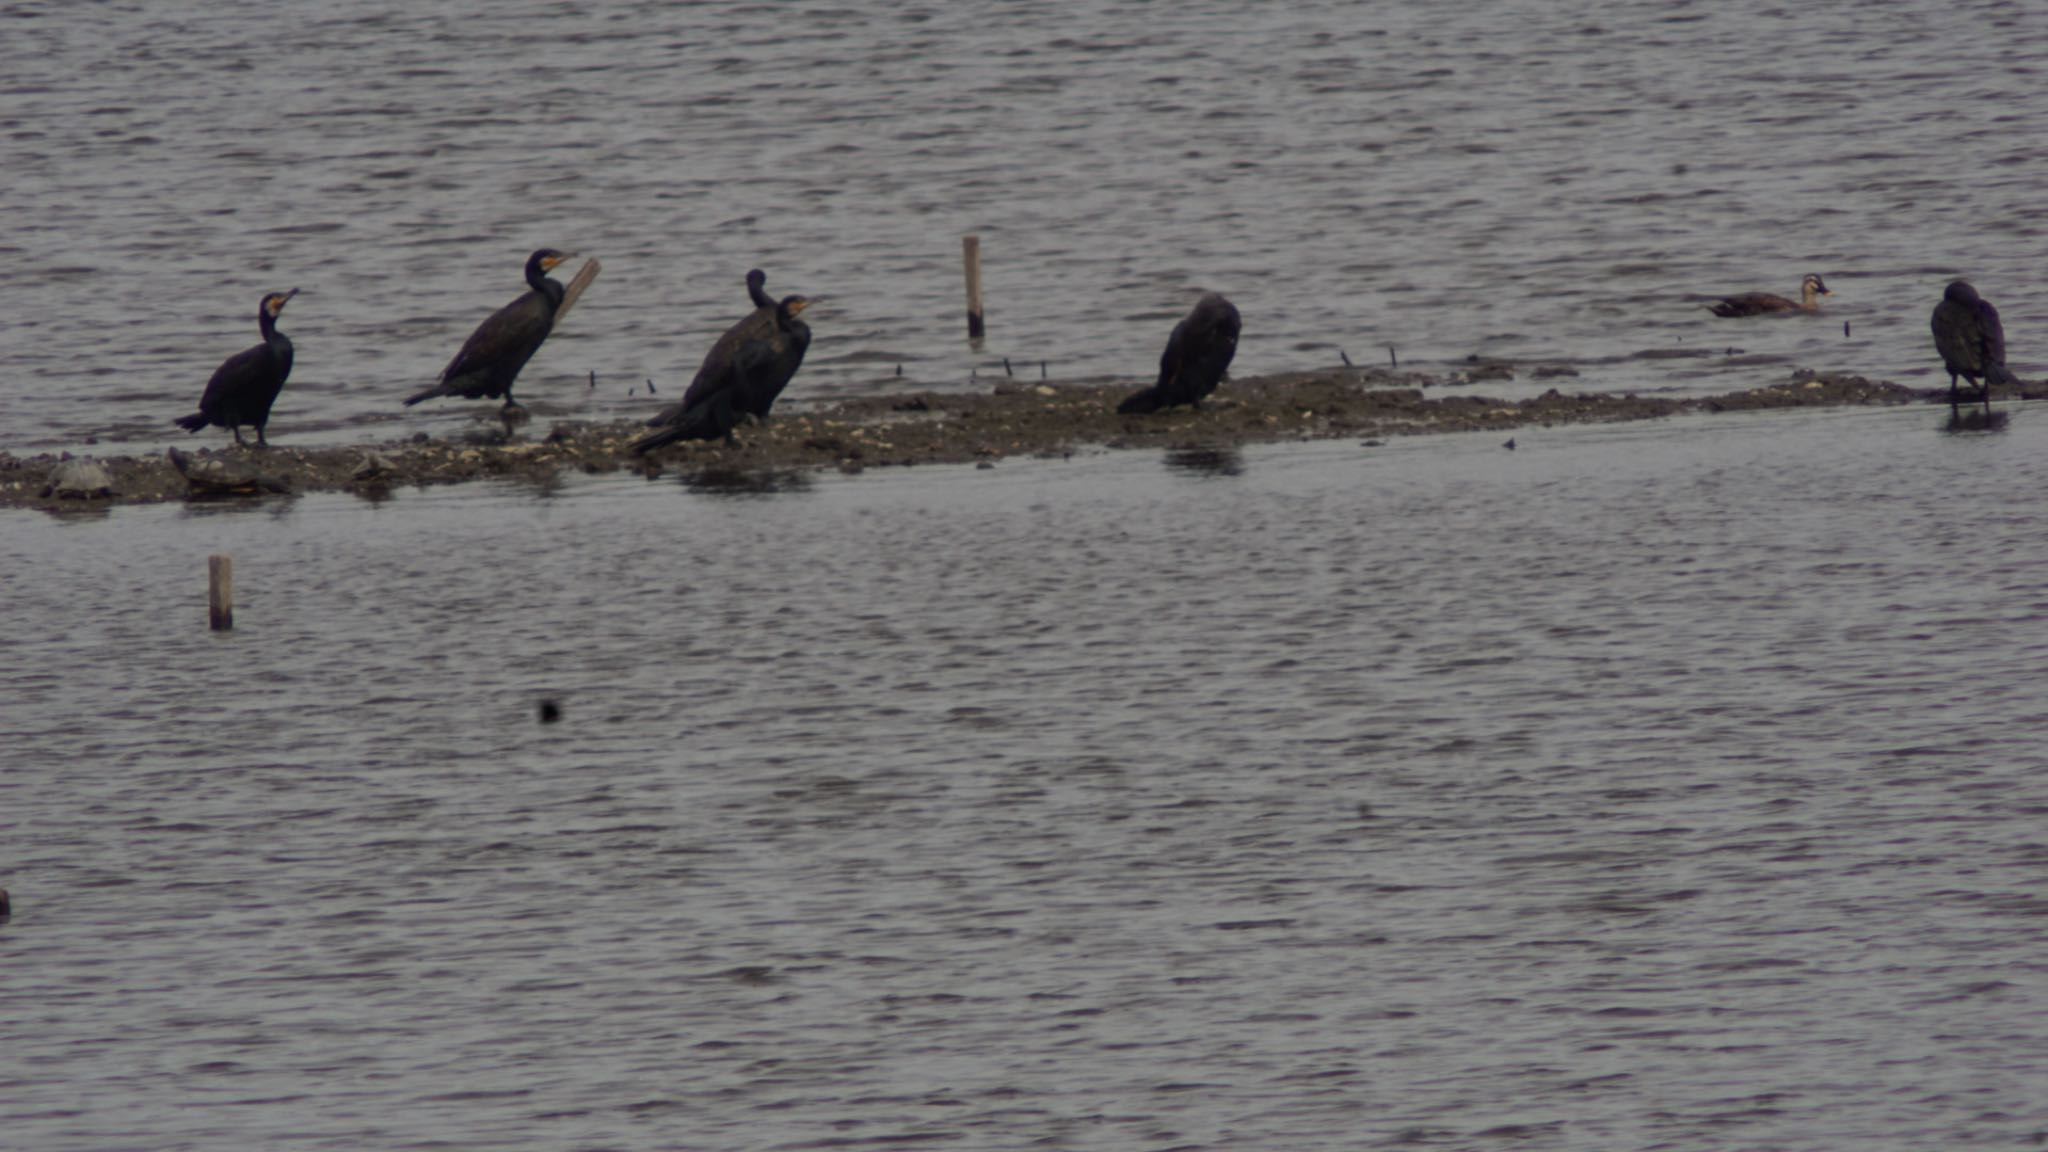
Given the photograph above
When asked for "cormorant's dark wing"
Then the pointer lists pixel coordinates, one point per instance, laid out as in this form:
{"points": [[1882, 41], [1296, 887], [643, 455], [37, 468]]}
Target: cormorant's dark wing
{"points": [[1197, 352], [1167, 392], [1959, 336], [715, 412], [1210, 344], [1995, 371], [715, 373], [1170, 362], [710, 409], [1948, 336], [1991, 333], [772, 366], [754, 363], [238, 376], [504, 343], [667, 415], [710, 420]]}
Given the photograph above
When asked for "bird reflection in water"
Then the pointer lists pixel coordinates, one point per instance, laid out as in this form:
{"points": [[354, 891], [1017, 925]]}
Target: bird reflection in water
{"points": [[746, 482], [1976, 420], [1207, 463], [198, 507]]}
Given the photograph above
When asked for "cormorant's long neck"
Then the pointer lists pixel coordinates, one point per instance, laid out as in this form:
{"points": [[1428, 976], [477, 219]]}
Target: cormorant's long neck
{"points": [[757, 293], [537, 279], [280, 345]]}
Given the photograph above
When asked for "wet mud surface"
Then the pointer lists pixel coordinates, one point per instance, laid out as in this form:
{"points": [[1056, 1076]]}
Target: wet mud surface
{"points": [[922, 428]]}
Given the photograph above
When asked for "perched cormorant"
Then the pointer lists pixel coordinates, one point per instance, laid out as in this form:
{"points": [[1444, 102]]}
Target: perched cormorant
{"points": [[1971, 341], [245, 386], [746, 369], [491, 358], [1196, 356], [1811, 290]]}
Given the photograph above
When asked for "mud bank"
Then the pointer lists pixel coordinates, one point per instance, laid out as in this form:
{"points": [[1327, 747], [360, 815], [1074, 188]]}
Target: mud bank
{"points": [[906, 430]]}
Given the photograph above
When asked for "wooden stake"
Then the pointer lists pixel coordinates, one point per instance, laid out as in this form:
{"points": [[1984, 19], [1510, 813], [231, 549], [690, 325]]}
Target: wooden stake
{"points": [[220, 593], [970, 250], [574, 289]]}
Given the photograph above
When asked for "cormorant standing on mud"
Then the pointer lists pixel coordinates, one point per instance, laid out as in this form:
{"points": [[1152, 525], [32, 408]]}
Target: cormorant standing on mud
{"points": [[1811, 290], [491, 358], [1971, 341], [245, 385], [746, 369], [1196, 356]]}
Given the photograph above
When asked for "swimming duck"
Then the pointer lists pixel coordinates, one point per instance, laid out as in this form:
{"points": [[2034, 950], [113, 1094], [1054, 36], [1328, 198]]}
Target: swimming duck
{"points": [[1811, 290]]}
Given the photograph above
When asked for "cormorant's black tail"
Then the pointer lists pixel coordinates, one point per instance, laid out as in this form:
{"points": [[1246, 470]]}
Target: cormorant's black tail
{"points": [[1997, 375], [1141, 402], [707, 421], [425, 394], [194, 422], [661, 439]]}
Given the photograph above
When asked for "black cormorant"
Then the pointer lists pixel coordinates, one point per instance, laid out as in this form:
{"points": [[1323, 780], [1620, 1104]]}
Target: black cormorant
{"points": [[491, 358], [1811, 290], [746, 369], [761, 319], [1196, 356], [1971, 341], [245, 386]]}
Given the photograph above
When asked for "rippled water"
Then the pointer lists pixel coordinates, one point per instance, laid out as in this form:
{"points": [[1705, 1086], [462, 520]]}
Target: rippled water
{"points": [[1664, 785], [1526, 180]]}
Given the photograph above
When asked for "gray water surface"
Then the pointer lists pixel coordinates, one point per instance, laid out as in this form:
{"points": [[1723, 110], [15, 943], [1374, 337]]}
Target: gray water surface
{"points": [[1521, 179], [1676, 784]]}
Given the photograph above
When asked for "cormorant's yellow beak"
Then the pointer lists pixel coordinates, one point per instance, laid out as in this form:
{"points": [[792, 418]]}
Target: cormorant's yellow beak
{"points": [[278, 302], [797, 306], [549, 263]]}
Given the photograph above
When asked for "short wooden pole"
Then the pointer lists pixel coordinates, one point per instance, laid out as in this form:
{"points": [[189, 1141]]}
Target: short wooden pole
{"points": [[220, 593], [970, 250], [574, 292]]}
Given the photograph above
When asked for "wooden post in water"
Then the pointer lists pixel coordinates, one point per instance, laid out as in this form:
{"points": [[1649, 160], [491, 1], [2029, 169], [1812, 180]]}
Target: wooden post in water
{"points": [[970, 250], [573, 292], [220, 593]]}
